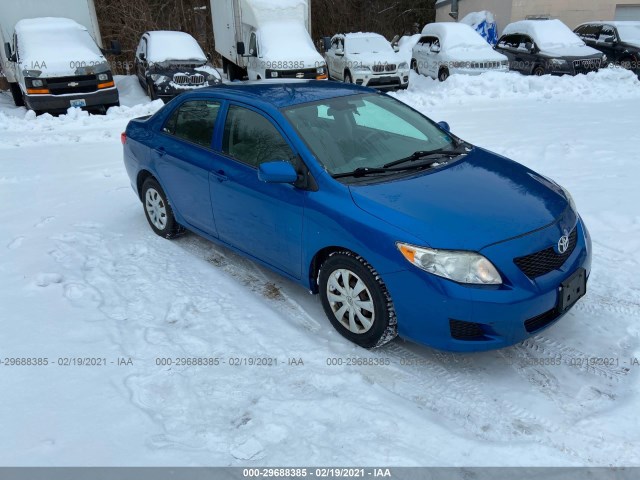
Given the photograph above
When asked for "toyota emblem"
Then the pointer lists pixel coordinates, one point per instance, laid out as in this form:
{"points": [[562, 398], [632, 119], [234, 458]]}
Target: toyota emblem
{"points": [[563, 243]]}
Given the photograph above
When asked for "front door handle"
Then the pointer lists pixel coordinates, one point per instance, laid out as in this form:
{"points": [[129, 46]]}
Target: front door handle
{"points": [[160, 151], [220, 176]]}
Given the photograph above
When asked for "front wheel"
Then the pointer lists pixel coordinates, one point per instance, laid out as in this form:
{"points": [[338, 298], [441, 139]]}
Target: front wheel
{"points": [[414, 66], [356, 300], [538, 71], [348, 78], [443, 74], [158, 211]]}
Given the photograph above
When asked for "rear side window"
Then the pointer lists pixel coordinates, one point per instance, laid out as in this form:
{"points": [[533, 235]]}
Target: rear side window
{"points": [[252, 139], [194, 122]]}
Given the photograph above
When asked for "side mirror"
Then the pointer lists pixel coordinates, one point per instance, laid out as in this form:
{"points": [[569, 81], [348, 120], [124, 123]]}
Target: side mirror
{"points": [[396, 48], [115, 49], [435, 48], [7, 50], [610, 40], [340, 53], [445, 126], [277, 172], [142, 57], [240, 48], [529, 46], [395, 40], [208, 56], [326, 43]]}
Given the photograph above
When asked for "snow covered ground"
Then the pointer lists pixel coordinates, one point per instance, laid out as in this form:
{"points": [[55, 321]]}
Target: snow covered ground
{"points": [[82, 275]]}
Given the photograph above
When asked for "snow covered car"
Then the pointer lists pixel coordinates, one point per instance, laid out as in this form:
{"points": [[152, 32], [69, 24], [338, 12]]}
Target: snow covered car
{"points": [[169, 63], [366, 59], [619, 41], [57, 64], [454, 48], [540, 47], [400, 226]]}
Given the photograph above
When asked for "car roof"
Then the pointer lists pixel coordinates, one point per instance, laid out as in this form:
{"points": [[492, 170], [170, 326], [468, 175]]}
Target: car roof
{"points": [[282, 94]]}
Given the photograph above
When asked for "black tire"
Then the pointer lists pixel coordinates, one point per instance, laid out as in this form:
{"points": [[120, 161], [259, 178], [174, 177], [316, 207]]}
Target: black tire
{"points": [[16, 93], [171, 228], [443, 74], [151, 92], [414, 66], [383, 327], [347, 77], [538, 71]]}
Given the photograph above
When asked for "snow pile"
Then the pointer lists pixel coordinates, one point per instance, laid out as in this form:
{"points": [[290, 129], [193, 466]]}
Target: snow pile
{"points": [[54, 47], [484, 23], [406, 44], [275, 44], [551, 36], [258, 12], [629, 32], [166, 46], [20, 127], [456, 36], [363, 43], [607, 84]]}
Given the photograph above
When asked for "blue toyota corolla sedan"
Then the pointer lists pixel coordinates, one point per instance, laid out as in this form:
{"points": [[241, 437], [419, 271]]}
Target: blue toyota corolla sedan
{"points": [[400, 226]]}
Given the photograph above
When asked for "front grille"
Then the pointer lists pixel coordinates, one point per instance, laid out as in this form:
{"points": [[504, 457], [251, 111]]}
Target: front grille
{"points": [[70, 85], [548, 260], [540, 321], [586, 66], [486, 65], [386, 67], [384, 82], [465, 330], [183, 79]]}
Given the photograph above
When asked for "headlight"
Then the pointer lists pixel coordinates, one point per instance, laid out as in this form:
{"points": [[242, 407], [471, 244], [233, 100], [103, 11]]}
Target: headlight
{"points": [[321, 70], [37, 83], [605, 59], [558, 62], [461, 267], [103, 77], [212, 78], [403, 66], [157, 78]]}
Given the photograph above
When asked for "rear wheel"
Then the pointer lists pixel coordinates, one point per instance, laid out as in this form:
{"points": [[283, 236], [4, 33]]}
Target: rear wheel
{"points": [[356, 300], [16, 93], [443, 74], [158, 211]]}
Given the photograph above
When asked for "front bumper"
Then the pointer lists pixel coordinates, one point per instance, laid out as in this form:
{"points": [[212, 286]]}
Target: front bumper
{"points": [[426, 304], [475, 71], [382, 81], [97, 99]]}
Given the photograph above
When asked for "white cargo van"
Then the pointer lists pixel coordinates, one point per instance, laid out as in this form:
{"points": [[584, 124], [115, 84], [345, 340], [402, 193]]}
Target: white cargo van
{"points": [[265, 39], [52, 55]]}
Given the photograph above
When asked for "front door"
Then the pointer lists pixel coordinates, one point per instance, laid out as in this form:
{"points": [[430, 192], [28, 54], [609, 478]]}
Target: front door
{"points": [[261, 219]]}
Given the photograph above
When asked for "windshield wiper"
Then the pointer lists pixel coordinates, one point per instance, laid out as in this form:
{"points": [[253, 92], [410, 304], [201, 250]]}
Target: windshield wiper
{"points": [[419, 155], [364, 171]]}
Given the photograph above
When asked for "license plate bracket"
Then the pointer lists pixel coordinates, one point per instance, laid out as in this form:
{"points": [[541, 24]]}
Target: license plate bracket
{"points": [[572, 290], [79, 103]]}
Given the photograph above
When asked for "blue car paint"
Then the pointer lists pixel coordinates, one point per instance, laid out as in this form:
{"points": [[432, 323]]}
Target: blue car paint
{"points": [[485, 203]]}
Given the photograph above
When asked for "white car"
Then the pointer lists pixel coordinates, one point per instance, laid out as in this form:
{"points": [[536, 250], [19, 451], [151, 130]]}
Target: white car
{"points": [[450, 48], [366, 59]]}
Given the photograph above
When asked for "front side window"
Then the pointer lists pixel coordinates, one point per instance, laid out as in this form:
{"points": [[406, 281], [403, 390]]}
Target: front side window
{"points": [[194, 121], [364, 131], [252, 139], [253, 45]]}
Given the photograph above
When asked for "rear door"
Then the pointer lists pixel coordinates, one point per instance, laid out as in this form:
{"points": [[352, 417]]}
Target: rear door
{"points": [[183, 158], [261, 219]]}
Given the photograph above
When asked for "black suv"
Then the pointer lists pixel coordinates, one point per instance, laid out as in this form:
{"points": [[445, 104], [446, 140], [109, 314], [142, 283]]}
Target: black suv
{"points": [[541, 47], [169, 63], [619, 41]]}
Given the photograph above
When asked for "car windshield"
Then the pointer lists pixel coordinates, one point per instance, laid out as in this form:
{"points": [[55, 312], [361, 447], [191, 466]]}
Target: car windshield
{"points": [[630, 33], [372, 44], [364, 131]]}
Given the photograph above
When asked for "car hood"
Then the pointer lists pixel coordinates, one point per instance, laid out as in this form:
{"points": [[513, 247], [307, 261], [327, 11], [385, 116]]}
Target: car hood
{"points": [[479, 201], [370, 59], [475, 55]]}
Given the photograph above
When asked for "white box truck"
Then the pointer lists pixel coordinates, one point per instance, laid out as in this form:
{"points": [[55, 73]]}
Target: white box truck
{"points": [[266, 39], [52, 55]]}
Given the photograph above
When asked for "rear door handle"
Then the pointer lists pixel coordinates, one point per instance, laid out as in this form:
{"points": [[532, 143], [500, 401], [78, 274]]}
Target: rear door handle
{"points": [[220, 176], [160, 151]]}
